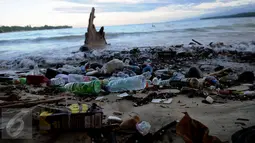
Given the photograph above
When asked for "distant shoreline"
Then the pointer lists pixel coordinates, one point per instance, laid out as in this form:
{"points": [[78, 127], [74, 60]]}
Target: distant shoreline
{"points": [[239, 15], [7, 29]]}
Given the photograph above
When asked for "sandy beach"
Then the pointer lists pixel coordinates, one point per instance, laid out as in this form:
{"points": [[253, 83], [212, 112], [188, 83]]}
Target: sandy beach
{"points": [[220, 117]]}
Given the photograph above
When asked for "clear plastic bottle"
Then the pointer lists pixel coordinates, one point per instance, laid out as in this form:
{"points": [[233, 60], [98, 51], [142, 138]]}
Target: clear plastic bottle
{"points": [[126, 84], [92, 87], [75, 78], [160, 82]]}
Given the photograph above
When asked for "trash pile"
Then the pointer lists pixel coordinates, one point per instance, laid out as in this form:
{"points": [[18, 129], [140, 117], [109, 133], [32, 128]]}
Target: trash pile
{"points": [[129, 79]]}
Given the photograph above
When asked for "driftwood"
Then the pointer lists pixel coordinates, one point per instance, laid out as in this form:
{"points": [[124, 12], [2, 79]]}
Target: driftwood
{"points": [[92, 37], [30, 103], [9, 98], [221, 73], [197, 42]]}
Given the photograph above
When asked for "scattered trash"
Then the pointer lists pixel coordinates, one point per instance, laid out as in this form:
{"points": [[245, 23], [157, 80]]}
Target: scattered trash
{"points": [[92, 87], [37, 79], [192, 131], [59, 120], [142, 82], [164, 101], [117, 113], [130, 123], [143, 127], [57, 82], [99, 98], [123, 95], [20, 81], [114, 119], [127, 84], [209, 99]]}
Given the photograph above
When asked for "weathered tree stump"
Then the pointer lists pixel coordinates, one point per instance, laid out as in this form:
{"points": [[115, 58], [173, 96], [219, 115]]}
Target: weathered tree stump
{"points": [[92, 37]]}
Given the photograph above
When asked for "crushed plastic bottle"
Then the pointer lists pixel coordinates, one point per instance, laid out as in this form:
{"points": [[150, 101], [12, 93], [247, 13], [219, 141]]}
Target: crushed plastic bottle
{"points": [[127, 84], [92, 87]]}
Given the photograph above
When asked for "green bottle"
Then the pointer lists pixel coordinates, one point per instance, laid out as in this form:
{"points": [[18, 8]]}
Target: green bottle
{"points": [[20, 81], [92, 87]]}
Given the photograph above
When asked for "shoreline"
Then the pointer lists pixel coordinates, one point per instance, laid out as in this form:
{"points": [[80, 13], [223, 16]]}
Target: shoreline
{"points": [[191, 50]]}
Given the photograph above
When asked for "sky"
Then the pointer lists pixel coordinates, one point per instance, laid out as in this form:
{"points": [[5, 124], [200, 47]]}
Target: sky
{"points": [[109, 12]]}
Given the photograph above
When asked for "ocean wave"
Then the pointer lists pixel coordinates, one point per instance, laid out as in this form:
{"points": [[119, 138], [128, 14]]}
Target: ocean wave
{"points": [[111, 35], [41, 39]]}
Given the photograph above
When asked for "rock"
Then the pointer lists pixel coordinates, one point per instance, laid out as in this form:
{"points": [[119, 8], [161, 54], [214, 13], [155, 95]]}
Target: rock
{"points": [[84, 48], [194, 72], [246, 76], [92, 37]]}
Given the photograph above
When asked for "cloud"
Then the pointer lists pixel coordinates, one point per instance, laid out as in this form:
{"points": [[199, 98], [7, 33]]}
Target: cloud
{"points": [[109, 12], [224, 4]]}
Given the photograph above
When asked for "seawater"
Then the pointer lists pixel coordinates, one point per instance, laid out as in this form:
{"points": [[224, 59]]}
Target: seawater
{"points": [[60, 43]]}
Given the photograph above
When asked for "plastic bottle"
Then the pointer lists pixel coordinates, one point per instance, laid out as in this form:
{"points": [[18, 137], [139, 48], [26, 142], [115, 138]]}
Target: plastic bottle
{"points": [[156, 81], [63, 76], [164, 82], [177, 82], [57, 82], [130, 123], [126, 84], [36, 70], [89, 78], [143, 127], [121, 74], [147, 75], [75, 78], [92, 87], [249, 93], [148, 68], [20, 81]]}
